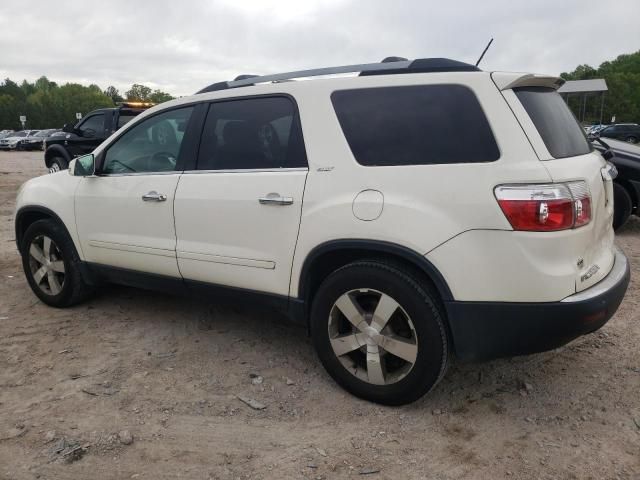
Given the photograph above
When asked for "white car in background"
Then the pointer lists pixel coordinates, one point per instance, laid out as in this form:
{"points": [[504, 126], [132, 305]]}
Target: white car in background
{"points": [[13, 141], [418, 210]]}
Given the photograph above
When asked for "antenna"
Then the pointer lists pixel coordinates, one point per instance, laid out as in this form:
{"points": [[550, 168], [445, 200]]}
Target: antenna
{"points": [[484, 51]]}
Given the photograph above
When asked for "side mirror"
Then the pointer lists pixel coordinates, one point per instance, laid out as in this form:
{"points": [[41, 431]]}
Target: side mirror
{"points": [[84, 166], [68, 128]]}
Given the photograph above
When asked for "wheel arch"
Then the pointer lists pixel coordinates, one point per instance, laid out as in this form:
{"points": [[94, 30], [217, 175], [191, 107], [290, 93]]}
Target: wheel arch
{"points": [[329, 256], [55, 151], [26, 216]]}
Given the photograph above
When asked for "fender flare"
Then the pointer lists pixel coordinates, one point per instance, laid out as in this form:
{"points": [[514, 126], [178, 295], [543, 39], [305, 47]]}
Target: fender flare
{"points": [[374, 246], [20, 215]]}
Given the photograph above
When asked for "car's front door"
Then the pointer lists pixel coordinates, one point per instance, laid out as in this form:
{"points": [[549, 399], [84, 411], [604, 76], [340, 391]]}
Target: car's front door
{"points": [[124, 215], [238, 211]]}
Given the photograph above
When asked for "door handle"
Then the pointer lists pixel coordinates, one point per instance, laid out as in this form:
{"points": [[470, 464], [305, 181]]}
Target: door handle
{"points": [[154, 196], [275, 199]]}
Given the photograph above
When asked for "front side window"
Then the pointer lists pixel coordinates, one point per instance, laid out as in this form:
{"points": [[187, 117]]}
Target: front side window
{"points": [[93, 126], [415, 125], [153, 145], [558, 127], [252, 133]]}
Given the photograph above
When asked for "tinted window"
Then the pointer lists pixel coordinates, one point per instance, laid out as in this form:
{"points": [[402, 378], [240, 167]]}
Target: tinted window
{"points": [[124, 119], [252, 133], [415, 125], [93, 126], [153, 145], [557, 126]]}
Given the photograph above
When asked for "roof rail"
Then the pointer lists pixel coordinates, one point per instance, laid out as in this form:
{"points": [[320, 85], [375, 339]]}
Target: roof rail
{"points": [[389, 66]]}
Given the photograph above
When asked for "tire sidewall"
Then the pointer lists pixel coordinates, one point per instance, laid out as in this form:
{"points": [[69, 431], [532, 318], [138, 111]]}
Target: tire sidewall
{"points": [[60, 162], [60, 238], [421, 308], [622, 205]]}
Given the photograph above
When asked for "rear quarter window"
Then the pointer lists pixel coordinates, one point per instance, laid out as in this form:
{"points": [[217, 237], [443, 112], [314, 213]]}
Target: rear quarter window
{"points": [[415, 125], [556, 124]]}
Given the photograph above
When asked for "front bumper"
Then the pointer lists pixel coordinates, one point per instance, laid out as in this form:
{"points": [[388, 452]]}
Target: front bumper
{"points": [[485, 330]]}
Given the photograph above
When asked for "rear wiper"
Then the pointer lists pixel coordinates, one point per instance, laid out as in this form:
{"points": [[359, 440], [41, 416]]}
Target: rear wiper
{"points": [[608, 153]]}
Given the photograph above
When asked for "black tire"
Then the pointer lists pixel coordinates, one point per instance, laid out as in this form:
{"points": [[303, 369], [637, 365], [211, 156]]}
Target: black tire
{"points": [[421, 306], [58, 163], [73, 288], [622, 205], [631, 139]]}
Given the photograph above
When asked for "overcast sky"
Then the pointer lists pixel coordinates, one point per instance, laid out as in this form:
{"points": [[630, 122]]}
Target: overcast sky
{"points": [[181, 46]]}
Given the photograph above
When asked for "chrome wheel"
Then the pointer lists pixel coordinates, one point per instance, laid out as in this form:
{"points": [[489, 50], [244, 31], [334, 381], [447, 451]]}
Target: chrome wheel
{"points": [[54, 168], [372, 336], [46, 265]]}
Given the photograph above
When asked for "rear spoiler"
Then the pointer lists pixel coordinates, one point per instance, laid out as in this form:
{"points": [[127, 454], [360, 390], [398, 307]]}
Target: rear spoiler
{"points": [[508, 80]]}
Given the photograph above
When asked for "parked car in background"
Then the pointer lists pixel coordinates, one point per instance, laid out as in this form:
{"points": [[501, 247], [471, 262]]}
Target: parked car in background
{"points": [[592, 130], [418, 209], [35, 141], [626, 185], [12, 141], [5, 133], [627, 132], [88, 133]]}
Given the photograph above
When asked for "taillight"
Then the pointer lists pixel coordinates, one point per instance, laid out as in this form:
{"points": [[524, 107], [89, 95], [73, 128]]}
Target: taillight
{"points": [[545, 208]]}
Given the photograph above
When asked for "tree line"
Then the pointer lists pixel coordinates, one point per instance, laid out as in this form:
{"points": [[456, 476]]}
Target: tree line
{"points": [[623, 97], [49, 105]]}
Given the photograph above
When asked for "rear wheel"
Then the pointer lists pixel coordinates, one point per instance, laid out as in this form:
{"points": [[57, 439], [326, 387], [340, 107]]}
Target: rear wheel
{"points": [[379, 333], [622, 205], [51, 265], [631, 139]]}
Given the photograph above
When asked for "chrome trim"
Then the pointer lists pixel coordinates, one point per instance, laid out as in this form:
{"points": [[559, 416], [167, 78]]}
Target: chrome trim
{"points": [[615, 276], [275, 199], [249, 170], [137, 174], [154, 196], [316, 72]]}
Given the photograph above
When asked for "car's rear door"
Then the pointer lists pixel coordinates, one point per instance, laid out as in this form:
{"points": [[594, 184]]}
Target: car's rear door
{"points": [[238, 209]]}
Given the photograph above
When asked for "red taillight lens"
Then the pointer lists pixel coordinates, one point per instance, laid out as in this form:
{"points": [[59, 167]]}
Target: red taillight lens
{"points": [[545, 208]]}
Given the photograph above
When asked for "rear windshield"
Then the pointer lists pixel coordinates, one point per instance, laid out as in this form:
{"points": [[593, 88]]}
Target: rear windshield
{"points": [[556, 124], [415, 125]]}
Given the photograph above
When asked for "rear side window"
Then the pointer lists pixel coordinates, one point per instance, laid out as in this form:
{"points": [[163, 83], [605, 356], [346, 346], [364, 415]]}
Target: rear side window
{"points": [[252, 133], [556, 124], [124, 119], [415, 125]]}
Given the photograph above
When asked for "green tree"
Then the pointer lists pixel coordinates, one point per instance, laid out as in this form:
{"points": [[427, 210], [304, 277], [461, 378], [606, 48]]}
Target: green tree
{"points": [[159, 96], [138, 93], [623, 82], [142, 93], [113, 93]]}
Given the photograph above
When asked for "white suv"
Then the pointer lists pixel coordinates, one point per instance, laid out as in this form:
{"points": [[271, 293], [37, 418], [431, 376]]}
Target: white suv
{"points": [[417, 210]]}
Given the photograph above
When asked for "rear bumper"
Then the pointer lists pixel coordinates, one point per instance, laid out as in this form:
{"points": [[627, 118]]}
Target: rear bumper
{"points": [[485, 330]]}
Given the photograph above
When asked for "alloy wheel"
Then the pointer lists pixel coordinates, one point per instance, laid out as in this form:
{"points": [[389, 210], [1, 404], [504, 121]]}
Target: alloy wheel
{"points": [[46, 265], [372, 336]]}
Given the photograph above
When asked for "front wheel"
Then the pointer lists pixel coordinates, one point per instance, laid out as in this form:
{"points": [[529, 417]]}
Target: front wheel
{"points": [[51, 265], [57, 164], [379, 332]]}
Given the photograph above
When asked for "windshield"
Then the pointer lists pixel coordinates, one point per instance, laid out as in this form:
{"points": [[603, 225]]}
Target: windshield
{"points": [[556, 124]]}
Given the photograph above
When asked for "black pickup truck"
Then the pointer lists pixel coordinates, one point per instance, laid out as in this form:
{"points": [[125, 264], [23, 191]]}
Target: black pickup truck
{"points": [[84, 136], [626, 186]]}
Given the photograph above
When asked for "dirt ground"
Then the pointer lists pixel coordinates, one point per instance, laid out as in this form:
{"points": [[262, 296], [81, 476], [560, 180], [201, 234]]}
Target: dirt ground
{"points": [[134, 384]]}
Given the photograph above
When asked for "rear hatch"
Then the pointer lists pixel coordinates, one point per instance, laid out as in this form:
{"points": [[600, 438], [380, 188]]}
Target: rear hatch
{"points": [[562, 147]]}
